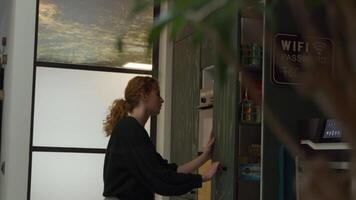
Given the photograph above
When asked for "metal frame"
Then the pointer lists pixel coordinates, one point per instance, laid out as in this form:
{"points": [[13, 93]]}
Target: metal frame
{"points": [[153, 73]]}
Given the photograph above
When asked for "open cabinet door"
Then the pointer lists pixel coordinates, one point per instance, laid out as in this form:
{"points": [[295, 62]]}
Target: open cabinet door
{"points": [[225, 131], [185, 100]]}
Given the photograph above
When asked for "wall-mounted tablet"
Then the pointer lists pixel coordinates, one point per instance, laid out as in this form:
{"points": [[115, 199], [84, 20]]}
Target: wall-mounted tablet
{"points": [[331, 130], [320, 130]]}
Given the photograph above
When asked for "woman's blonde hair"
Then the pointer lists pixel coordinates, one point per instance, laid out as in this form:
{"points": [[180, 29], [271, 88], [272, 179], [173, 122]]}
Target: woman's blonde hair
{"points": [[136, 88]]}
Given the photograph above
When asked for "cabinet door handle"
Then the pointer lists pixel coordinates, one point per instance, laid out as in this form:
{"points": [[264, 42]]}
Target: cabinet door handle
{"points": [[222, 168]]}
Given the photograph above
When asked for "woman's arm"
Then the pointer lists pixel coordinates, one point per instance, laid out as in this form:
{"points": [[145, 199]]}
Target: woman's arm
{"points": [[193, 165]]}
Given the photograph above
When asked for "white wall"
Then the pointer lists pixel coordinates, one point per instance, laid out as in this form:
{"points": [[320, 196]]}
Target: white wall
{"points": [[5, 8], [20, 29], [165, 79]]}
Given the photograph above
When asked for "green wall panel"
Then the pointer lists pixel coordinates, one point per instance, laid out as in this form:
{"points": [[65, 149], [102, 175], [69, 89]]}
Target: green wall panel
{"points": [[207, 53], [225, 131], [185, 100]]}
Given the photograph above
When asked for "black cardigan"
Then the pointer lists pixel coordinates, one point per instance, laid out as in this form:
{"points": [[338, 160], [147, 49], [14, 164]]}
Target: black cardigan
{"points": [[133, 170]]}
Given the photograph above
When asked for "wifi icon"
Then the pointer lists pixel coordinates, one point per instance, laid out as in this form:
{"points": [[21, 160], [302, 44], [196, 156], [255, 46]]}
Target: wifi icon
{"points": [[319, 47]]}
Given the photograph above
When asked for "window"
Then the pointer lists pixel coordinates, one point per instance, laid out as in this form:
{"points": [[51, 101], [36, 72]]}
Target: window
{"points": [[79, 72], [87, 32]]}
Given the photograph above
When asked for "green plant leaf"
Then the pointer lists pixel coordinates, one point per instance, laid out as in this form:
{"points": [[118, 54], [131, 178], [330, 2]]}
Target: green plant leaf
{"points": [[159, 24], [139, 6], [198, 37], [177, 26]]}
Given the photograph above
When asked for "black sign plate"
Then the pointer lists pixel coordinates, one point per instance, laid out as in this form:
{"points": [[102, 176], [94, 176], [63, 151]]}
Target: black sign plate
{"points": [[291, 54]]}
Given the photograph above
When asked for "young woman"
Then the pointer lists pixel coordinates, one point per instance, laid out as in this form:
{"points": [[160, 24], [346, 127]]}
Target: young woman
{"points": [[133, 170]]}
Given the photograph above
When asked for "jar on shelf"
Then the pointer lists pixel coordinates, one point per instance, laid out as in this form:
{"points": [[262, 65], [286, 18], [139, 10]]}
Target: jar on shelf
{"points": [[251, 56], [246, 109]]}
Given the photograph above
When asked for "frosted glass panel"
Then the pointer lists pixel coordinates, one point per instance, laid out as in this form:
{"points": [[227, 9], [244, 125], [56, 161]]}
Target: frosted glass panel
{"points": [[69, 176], [70, 106]]}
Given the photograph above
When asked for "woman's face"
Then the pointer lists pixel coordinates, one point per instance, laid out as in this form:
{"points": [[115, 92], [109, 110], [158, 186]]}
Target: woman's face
{"points": [[154, 102]]}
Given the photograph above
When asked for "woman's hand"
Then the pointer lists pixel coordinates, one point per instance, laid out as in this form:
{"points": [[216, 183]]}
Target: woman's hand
{"points": [[194, 164], [211, 171], [209, 145]]}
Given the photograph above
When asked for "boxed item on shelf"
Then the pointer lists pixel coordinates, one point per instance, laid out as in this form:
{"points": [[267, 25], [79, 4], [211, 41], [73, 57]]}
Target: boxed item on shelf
{"points": [[250, 171]]}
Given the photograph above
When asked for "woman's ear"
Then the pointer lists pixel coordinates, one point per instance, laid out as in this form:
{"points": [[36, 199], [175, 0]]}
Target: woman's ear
{"points": [[144, 97]]}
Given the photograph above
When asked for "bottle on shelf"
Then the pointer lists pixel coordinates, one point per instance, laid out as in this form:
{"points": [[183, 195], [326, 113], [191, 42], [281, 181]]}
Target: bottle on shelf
{"points": [[250, 111], [247, 109]]}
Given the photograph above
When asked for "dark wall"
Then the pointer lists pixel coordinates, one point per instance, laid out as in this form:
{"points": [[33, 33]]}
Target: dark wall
{"points": [[288, 106]]}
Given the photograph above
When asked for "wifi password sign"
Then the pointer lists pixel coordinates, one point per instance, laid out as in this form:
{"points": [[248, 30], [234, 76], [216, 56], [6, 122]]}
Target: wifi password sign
{"points": [[319, 47], [292, 53]]}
